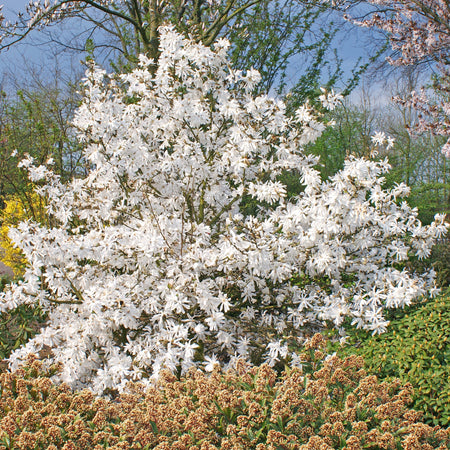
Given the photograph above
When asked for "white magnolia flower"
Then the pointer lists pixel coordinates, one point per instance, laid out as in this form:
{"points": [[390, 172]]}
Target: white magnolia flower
{"points": [[330, 99], [378, 138], [211, 362], [182, 243]]}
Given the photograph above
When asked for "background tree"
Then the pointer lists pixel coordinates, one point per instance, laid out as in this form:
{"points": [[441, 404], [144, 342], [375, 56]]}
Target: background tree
{"points": [[419, 34], [34, 121], [416, 160], [266, 34], [273, 34], [355, 122]]}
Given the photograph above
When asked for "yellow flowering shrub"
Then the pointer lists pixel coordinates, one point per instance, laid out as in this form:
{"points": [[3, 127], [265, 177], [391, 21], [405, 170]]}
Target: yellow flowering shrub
{"points": [[16, 210], [21, 324]]}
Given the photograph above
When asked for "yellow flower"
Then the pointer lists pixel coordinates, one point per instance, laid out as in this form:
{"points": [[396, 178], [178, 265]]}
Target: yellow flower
{"points": [[17, 210]]}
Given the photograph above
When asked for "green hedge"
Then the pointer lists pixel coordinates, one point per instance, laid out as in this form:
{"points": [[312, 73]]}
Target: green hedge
{"points": [[415, 349]]}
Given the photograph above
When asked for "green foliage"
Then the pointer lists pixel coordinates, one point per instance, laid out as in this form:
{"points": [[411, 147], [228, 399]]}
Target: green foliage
{"points": [[263, 38], [439, 261], [426, 171], [415, 160], [430, 199], [415, 349], [349, 136], [18, 326], [35, 122], [282, 37], [4, 280]]}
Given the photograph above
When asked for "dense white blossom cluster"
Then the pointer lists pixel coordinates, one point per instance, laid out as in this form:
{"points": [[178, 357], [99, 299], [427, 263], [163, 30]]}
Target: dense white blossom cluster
{"points": [[153, 264]]}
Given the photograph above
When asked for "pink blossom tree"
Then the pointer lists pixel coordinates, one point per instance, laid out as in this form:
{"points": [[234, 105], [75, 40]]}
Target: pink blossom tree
{"points": [[419, 33]]}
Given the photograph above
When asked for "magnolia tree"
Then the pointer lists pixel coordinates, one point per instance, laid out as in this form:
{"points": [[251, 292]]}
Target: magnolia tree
{"points": [[419, 33], [153, 264]]}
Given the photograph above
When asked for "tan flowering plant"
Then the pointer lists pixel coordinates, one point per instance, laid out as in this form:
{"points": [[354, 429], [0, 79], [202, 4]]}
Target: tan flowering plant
{"points": [[329, 403]]}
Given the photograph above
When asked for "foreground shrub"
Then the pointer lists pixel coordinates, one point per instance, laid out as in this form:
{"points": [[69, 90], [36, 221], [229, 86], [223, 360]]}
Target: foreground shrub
{"points": [[415, 349], [328, 404], [152, 263]]}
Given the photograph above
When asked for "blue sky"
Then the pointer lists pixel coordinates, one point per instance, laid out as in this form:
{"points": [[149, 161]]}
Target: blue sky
{"points": [[32, 55], [33, 52], [14, 5], [22, 54]]}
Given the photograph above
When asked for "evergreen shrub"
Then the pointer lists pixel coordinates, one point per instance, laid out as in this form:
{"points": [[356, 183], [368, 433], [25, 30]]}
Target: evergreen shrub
{"points": [[415, 349]]}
